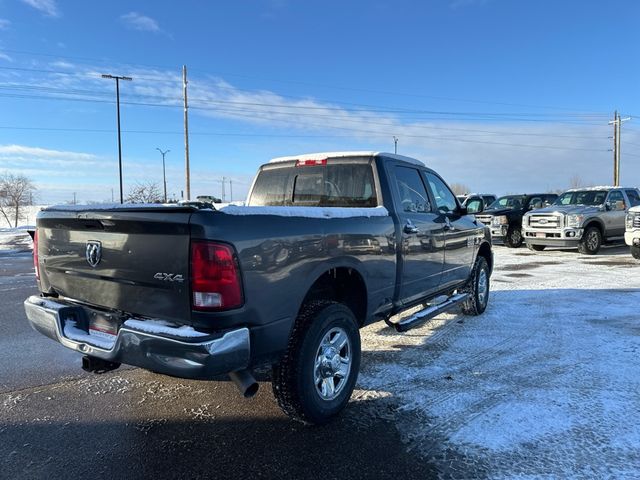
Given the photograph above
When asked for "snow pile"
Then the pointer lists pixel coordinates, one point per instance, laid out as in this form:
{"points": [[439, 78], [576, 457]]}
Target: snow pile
{"points": [[161, 327], [544, 384], [15, 240], [307, 212]]}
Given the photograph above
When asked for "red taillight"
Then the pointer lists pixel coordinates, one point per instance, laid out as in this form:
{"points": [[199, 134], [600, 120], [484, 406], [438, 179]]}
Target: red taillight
{"points": [[215, 278], [35, 254], [311, 163]]}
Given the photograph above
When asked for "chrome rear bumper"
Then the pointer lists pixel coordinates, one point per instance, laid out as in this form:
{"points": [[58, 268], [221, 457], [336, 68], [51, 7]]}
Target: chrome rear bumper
{"points": [[180, 356]]}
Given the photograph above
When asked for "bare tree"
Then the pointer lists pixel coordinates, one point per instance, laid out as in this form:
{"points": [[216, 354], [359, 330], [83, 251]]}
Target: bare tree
{"points": [[576, 181], [459, 188], [144, 192], [16, 191]]}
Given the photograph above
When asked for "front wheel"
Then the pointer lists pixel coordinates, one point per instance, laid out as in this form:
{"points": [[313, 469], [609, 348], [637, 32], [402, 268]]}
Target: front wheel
{"points": [[478, 288], [314, 380], [635, 251], [591, 241], [514, 238]]}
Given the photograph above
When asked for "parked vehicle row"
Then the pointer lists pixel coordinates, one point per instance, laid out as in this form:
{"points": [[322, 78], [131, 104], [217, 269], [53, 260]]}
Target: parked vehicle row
{"points": [[582, 218]]}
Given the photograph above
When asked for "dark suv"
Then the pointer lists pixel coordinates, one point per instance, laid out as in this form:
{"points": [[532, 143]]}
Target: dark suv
{"points": [[504, 216]]}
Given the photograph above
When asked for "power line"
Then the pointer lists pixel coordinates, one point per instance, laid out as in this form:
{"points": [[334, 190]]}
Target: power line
{"points": [[403, 94]]}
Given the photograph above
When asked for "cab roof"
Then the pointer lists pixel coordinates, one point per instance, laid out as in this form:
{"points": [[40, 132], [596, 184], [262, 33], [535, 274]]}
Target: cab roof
{"points": [[323, 155]]}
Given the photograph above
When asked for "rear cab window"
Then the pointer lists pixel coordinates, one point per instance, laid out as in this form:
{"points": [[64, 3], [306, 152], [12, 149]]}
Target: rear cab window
{"points": [[336, 183]]}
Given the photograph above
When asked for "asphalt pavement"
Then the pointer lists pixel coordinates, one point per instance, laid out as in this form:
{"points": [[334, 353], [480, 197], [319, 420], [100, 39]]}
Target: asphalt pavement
{"points": [[57, 421]]}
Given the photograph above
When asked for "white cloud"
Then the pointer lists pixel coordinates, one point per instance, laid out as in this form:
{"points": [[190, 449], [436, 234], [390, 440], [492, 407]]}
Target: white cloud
{"points": [[137, 21], [4, 23], [46, 7], [44, 153], [4, 56]]}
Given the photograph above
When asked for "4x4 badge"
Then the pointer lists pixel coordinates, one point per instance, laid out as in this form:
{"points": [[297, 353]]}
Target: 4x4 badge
{"points": [[94, 252]]}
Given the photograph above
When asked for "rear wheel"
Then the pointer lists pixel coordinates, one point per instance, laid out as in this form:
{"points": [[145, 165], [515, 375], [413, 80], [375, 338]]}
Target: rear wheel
{"points": [[513, 239], [591, 241], [315, 379], [635, 251], [478, 288], [536, 248]]}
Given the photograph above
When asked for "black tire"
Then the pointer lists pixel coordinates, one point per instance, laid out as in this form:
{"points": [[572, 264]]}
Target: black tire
{"points": [[635, 252], [514, 238], [536, 248], [478, 293], [295, 377], [590, 242]]}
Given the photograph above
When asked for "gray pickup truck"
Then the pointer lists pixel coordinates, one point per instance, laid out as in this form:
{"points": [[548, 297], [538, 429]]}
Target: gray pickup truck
{"points": [[582, 218], [326, 244]]}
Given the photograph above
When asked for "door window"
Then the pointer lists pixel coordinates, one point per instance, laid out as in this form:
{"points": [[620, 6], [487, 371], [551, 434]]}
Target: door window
{"points": [[616, 200], [413, 196], [445, 200]]}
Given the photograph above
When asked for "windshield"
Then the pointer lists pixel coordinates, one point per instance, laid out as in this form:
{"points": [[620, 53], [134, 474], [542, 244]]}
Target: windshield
{"points": [[510, 201], [582, 197]]}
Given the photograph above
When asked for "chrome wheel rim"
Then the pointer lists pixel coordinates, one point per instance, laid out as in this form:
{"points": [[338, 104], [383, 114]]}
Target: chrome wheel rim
{"points": [[332, 365], [592, 240], [483, 287]]}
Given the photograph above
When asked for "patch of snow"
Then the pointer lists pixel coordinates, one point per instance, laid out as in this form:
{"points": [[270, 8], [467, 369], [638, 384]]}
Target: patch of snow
{"points": [[114, 206], [542, 385], [161, 327], [72, 332], [14, 240], [307, 212]]}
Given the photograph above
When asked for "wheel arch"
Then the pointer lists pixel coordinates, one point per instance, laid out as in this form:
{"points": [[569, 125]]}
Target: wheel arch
{"points": [[342, 282]]}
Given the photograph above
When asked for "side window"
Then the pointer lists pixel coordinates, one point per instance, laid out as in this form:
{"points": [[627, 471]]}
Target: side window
{"points": [[633, 197], [413, 196], [474, 206], [616, 200], [535, 202], [445, 200]]}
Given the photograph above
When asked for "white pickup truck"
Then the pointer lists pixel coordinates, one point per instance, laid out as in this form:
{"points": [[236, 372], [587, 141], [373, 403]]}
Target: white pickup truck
{"points": [[632, 231]]}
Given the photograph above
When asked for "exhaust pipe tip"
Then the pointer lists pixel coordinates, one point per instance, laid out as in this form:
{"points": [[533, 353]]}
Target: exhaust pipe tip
{"points": [[245, 382]]}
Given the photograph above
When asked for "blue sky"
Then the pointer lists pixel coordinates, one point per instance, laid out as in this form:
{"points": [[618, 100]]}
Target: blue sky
{"points": [[503, 96]]}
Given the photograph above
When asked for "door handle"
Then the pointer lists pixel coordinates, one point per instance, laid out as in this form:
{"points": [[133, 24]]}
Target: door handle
{"points": [[409, 227]]}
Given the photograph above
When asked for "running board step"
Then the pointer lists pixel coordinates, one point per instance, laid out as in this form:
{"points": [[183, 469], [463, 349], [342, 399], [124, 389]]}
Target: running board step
{"points": [[428, 313]]}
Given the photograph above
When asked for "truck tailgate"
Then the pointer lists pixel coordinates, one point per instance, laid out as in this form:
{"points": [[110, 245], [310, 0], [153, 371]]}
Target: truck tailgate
{"points": [[134, 260]]}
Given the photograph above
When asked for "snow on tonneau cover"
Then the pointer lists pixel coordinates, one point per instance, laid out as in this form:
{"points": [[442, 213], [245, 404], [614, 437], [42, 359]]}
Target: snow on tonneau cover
{"points": [[133, 258]]}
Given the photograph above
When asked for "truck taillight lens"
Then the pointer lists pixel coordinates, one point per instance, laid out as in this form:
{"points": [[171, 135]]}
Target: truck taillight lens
{"points": [[35, 254], [215, 277]]}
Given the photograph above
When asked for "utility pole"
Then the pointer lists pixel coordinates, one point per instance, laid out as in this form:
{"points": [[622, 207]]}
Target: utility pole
{"points": [[614, 122], [230, 191], [164, 174], [74, 198], [395, 144], [617, 123], [117, 79], [223, 180], [186, 132]]}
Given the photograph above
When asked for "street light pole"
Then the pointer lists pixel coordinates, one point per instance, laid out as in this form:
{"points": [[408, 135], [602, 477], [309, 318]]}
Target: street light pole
{"points": [[117, 79], [164, 175]]}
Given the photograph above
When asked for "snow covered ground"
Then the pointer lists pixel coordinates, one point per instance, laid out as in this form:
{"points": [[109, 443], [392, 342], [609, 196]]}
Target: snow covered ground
{"points": [[14, 240], [544, 384]]}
